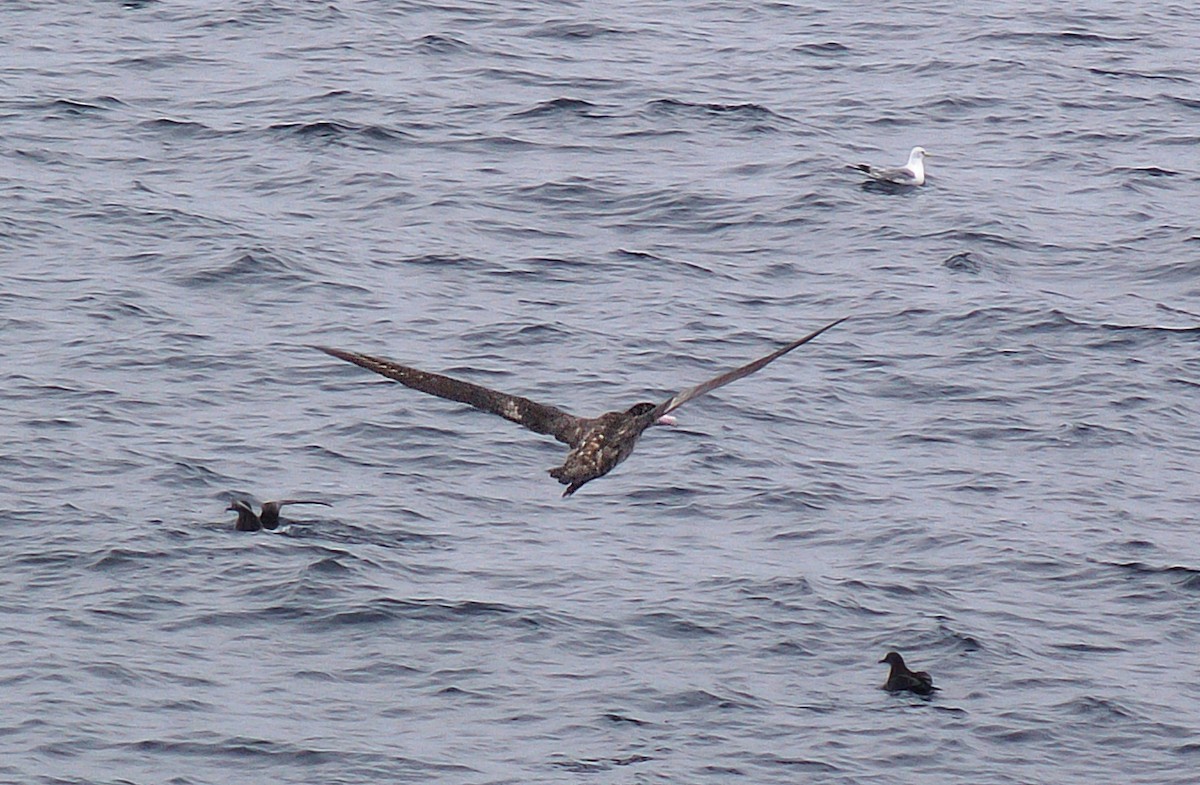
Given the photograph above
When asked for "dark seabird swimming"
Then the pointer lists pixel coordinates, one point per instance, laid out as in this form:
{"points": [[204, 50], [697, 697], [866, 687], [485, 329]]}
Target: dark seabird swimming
{"points": [[269, 519], [598, 444], [901, 678], [911, 174]]}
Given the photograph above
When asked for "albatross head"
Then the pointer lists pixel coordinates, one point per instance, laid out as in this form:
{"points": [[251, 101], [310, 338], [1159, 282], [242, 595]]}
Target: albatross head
{"points": [[917, 154], [644, 408]]}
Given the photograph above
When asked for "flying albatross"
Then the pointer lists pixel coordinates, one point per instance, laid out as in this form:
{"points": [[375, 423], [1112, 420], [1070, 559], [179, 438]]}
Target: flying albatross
{"points": [[598, 444], [912, 173], [269, 519]]}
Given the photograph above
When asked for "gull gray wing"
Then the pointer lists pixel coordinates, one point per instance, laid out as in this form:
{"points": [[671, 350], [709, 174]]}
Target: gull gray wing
{"points": [[537, 417], [899, 175], [682, 397]]}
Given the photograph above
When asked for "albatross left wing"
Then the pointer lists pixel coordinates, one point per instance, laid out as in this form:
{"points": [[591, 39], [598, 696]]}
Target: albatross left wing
{"points": [[537, 417]]}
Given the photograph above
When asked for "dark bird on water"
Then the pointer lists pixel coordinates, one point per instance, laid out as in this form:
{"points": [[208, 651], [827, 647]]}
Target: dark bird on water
{"points": [[269, 519], [598, 444], [901, 678]]}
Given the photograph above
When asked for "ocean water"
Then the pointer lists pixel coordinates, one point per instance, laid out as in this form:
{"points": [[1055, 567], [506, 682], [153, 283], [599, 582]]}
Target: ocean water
{"points": [[991, 467]]}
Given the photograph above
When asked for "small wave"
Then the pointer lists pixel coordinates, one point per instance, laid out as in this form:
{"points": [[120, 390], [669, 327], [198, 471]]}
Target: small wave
{"points": [[1147, 171], [1190, 103], [1071, 36], [963, 262], [617, 718], [118, 558], [178, 128], [575, 191], [961, 103], [385, 534], [387, 609], [593, 765], [977, 236], [519, 334], [157, 62], [1150, 328], [1189, 576], [68, 106], [438, 260], [804, 764], [1100, 709], [1094, 435], [641, 255], [1175, 310], [1136, 75], [439, 44], [335, 130], [561, 106], [239, 748], [501, 143], [698, 699], [256, 265], [752, 117], [671, 625], [1079, 647], [330, 565], [745, 110], [1068, 37], [823, 49], [772, 589], [572, 30], [959, 641], [1181, 271]]}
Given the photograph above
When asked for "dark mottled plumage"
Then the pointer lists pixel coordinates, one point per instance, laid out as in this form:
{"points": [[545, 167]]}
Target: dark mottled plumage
{"points": [[269, 519], [901, 678], [598, 444]]}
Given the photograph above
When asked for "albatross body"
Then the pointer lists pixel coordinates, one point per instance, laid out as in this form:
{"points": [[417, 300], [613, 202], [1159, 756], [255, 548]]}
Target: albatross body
{"points": [[912, 173], [598, 444], [269, 519]]}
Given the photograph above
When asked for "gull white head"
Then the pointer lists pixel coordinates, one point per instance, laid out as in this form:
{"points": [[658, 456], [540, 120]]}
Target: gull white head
{"points": [[916, 164]]}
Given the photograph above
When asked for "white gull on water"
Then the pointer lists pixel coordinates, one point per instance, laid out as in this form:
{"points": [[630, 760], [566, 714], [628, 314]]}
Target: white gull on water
{"points": [[912, 173]]}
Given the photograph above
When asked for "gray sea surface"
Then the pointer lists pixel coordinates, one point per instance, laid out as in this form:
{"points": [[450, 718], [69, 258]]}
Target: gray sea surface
{"points": [[991, 467]]}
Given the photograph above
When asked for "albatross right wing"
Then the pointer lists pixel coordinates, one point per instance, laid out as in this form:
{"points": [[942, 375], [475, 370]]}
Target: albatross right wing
{"points": [[683, 396], [281, 502]]}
